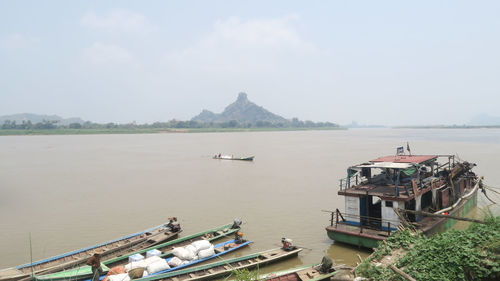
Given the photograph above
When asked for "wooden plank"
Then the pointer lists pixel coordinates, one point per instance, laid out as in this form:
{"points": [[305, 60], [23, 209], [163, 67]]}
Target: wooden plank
{"points": [[400, 272]]}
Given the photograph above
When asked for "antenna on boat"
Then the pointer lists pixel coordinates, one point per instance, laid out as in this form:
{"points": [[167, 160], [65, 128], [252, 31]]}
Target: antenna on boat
{"points": [[31, 257]]}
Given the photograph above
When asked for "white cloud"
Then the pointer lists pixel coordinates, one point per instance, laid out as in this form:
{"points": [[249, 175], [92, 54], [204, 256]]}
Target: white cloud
{"points": [[117, 21], [100, 53], [234, 44], [255, 33]]}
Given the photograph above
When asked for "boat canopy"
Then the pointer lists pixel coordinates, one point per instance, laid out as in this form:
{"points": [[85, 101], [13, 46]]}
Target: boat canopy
{"points": [[417, 159], [385, 165]]}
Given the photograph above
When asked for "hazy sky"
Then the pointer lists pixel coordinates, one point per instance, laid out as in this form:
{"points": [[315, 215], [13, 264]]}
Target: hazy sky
{"points": [[376, 62]]}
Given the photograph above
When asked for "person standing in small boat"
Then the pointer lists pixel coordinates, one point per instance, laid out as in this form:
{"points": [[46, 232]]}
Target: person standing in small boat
{"points": [[95, 262], [173, 224]]}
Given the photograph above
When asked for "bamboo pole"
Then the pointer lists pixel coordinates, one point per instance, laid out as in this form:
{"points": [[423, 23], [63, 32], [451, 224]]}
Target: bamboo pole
{"points": [[422, 213], [400, 272]]}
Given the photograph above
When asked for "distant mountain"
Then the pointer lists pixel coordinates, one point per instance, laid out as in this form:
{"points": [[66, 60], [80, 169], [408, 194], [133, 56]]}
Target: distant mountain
{"points": [[485, 120], [37, 118], [242, 111]]}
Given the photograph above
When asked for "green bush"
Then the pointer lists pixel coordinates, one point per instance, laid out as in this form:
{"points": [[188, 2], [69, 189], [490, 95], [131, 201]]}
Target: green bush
{"points": [[471, 254]]}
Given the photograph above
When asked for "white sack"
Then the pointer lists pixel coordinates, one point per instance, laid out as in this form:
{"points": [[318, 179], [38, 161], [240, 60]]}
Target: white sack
{"points": [[206, 253], [183, 253], [133, 265], [174, 262], [179, 252], [189, 255], [119, 277], [201, 245], [151, 260], [191, 248], [157, 266]]}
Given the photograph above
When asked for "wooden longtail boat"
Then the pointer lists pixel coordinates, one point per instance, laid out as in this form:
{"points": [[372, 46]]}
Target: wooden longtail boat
{"points": [[225, 267], [228, 157], [137, 241], [302, 273], [220, 249], [212, 234], [390, 191]]}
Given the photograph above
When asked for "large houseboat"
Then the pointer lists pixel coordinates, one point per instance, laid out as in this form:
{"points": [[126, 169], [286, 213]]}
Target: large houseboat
{"points": [[420, 191]]}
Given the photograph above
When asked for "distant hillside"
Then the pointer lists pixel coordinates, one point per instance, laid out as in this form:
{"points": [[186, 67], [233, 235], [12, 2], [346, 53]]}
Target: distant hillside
{"points": [[242, 111], [37, 118]]}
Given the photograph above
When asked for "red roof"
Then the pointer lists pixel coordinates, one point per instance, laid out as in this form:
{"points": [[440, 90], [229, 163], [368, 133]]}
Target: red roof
{"points": [[405, 158]]}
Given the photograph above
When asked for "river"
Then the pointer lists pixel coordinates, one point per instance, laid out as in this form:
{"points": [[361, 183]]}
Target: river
{"points": [[74, 191]]}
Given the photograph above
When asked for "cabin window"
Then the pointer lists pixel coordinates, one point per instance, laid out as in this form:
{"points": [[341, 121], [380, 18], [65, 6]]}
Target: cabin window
{"points": [[388, 204]]}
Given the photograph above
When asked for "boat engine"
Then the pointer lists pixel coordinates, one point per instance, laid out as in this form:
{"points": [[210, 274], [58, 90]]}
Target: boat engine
{"points": [[236, 223]]}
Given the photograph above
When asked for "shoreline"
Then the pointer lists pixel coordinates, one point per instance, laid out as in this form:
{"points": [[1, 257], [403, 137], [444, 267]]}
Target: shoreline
{"points": [[153, 131]]}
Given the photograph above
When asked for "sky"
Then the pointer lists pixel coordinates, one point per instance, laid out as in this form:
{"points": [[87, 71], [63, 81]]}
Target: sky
{"points": [[374, 62]]}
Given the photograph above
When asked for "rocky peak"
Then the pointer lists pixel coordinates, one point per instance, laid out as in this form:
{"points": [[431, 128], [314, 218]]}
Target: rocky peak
{"points": [[242, 97], [242, 110]]}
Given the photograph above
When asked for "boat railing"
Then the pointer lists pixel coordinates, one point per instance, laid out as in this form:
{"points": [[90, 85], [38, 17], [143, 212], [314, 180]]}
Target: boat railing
{"points": [[336, 217], [355, 179]]}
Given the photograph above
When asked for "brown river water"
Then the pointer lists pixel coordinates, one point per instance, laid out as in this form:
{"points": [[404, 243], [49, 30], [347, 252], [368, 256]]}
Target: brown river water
{"points": [[70, 192]]}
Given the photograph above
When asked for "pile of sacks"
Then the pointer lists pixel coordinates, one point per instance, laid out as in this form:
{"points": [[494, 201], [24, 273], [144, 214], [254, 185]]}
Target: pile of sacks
{"points": [[137, 269], [197, 250]]}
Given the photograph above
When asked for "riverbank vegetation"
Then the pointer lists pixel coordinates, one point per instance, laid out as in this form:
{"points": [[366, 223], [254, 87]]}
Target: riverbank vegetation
{"points": [[471, 254], [172, 126]]}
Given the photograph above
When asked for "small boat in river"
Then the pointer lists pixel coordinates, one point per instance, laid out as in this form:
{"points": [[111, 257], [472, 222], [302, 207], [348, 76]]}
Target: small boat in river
{"points": [[427, 192], [83, 272], [219, 249], [231, 157], [113, 248], [226, 267], [302, 273]]}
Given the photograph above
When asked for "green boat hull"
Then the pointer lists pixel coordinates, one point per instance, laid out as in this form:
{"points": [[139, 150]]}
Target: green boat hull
{"points": [[469, 205], [445, 224], [84, 272], [353, 239]]}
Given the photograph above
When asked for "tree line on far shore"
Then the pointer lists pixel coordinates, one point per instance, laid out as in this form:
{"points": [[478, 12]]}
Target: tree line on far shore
{"points": [[172, 124]]}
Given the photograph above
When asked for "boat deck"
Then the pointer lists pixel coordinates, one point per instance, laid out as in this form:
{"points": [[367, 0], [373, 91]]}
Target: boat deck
{"points": [[356, 230], [382, 191]]}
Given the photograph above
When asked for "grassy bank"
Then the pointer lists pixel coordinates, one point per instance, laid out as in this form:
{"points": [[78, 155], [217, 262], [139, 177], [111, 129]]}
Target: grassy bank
{"points": [[66, 131], [471, 254]]}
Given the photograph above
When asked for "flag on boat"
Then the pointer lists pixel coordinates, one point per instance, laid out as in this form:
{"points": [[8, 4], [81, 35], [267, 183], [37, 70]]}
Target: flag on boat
{"points": [[400, 150]]}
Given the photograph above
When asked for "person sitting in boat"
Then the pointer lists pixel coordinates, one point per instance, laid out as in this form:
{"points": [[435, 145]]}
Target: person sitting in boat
{"points": [[173, 224], [95, 263], [326, 265], [238, 238], [287, 244]]}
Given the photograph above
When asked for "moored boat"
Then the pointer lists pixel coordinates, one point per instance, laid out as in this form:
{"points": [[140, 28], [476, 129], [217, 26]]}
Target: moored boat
{"points": [[219, 249], [384, 193], [226, 267], [231, 157], [302, 273], [137, 241], [83, 272]]}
